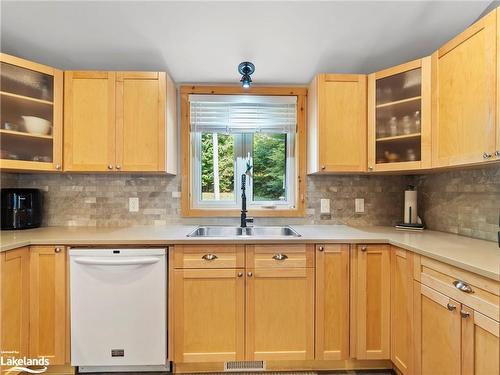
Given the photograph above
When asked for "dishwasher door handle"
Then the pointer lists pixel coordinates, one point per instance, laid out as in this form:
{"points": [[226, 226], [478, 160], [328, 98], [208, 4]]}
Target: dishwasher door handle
{"points": [[118, 262]]}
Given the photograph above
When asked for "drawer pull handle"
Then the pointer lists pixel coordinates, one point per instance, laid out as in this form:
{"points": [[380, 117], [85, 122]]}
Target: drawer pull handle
{"points": [[451, 307], [464, 314], [280, 256], [209, 257], [463, 286]]}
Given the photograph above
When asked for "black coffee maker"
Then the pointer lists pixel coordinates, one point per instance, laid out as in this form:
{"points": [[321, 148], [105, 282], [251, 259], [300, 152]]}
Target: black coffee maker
{"points": [[21, 208]]}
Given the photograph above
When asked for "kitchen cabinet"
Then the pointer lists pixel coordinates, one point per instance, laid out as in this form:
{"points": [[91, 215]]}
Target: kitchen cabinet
{"points": [[209, 310], [402, 310], [464, 96], [280, 314], [48, 303], [337, 123], [31, 115], [332, 302], [372, 300], [15, 301], [399, 117], [120, 121], [452, 336]]}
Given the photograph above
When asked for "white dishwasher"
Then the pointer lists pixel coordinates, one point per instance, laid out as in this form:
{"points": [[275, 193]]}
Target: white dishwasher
{"points": [[118, 309]]}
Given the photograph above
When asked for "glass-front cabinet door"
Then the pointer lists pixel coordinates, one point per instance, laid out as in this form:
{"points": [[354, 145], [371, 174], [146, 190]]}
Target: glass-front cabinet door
{"points": [[399, 117], [30, 116]]}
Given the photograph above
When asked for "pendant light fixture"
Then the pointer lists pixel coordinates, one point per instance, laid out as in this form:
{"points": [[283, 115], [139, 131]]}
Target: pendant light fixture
{"points": [[246, 69]]}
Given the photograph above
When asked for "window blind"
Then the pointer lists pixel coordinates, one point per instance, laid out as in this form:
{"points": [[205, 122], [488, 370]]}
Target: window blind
{"points": [[231, 114]]}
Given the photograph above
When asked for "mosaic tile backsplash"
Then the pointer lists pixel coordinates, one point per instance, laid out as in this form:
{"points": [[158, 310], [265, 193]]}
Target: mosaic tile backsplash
{"points": [[465, 202]]}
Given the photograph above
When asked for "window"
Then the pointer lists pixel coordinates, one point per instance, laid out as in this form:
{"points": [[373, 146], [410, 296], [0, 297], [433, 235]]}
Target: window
{"points": [[230, 132]]}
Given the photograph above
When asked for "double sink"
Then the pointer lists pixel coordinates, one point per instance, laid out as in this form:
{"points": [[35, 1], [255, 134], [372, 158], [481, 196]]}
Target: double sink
{"points": [[228, 231]]}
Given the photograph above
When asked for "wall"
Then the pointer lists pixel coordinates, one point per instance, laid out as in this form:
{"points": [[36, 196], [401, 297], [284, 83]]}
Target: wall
{"points": [[465, 202], [102, 200]]}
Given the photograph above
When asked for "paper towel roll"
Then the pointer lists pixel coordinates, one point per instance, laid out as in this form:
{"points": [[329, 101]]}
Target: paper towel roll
{"points": [[410, 213]]}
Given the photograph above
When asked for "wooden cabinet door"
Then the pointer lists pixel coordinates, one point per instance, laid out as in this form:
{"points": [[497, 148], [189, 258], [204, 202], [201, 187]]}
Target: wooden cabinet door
{"points": [[437, 332], [373, 298], [48, 309], [332, 302], [15, 302], [464, 84], [280, 314], [480, 343], [89, 121], [402, 309], [140, 121], [209, 309], [337, 123]]}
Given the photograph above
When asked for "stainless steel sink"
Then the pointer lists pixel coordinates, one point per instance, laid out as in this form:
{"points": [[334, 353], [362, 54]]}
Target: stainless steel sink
{"points": [[223, 231]]}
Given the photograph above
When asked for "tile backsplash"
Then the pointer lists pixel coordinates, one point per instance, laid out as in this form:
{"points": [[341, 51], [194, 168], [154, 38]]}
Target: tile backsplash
{"points": [[465, 202]]}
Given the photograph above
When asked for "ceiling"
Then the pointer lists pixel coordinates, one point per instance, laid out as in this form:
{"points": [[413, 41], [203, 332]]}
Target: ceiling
{"points": [[203, 41]]}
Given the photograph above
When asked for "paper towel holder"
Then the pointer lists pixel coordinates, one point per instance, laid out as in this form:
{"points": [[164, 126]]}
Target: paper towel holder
{"points": [[411, 220]]}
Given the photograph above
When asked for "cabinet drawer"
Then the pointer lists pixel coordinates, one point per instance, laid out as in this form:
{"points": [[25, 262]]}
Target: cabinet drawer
{"points": [[209, 256], [480, 293], [280, 256]]}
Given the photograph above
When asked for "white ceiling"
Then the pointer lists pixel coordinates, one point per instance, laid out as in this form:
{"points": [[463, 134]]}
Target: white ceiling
{"points": [[204, 41]]}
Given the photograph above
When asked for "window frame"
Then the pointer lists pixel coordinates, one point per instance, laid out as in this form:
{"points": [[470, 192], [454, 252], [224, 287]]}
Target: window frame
{"points": [[191, 208]]}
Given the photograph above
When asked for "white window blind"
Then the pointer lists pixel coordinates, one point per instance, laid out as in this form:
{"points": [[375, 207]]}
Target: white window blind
{"points": [[232, 114]]}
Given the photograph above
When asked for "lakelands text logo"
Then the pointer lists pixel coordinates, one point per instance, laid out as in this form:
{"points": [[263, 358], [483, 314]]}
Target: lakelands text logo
{"points": [[16, 364]]}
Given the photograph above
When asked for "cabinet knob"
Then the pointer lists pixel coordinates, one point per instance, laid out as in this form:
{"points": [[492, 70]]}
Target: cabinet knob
{"points": [[370, 168], [57, 250], [486, 155], [240, 274], [497, 153], [250, 274], [323, 167], [451, 307], [58, 167], [321, 248], [364, 248], [118, 166], [464, 314], [110, 166]]}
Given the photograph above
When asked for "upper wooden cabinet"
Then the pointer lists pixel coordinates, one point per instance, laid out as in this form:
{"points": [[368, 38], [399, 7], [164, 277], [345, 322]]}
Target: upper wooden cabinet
{"points": [[399, 117], [337, 123], [31, 112], [123, 121], [464, 96]]}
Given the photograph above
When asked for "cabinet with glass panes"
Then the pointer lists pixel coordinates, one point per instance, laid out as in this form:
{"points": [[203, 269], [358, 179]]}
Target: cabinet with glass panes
{"points": [[30, 116], [399, 118]]}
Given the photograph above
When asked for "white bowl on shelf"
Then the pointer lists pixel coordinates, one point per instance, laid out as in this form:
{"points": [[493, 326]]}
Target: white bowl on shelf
{"points": [[37, 125]]}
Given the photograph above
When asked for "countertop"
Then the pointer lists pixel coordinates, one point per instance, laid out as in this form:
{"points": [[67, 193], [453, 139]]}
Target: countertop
{"points": [[481, 257]]}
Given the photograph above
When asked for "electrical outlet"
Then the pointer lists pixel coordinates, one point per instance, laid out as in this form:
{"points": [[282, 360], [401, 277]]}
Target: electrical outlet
{"points": [[133, 204], [325, 206], [359, 205]]}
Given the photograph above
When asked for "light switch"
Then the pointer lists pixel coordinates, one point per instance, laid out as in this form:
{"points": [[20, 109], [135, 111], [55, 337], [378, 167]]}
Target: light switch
{"points": [[359, 205], [325, 206], [133, 204]]}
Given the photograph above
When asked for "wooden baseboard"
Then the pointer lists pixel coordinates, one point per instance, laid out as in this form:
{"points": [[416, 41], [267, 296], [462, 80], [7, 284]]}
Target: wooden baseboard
{"points": [[350, 364]]}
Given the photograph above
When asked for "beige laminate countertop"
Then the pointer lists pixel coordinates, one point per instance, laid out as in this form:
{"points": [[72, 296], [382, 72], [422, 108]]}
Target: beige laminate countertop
{"points": [[481, 257]]}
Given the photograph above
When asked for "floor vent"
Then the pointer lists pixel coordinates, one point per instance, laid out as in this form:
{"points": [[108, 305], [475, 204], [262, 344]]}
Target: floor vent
{"points": [[244, 366]]}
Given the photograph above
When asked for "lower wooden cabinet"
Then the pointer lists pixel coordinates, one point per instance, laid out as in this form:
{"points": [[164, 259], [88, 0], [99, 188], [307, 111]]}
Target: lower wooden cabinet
{"points": [[332, 302], [371, 296], [14, 311], [452, 337], [280, 314], [402, 310], [209, 308], [48, 310]]}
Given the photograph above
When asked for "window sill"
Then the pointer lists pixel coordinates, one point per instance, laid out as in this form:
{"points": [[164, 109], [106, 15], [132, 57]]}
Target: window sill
{"points": [[220, 212]]}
